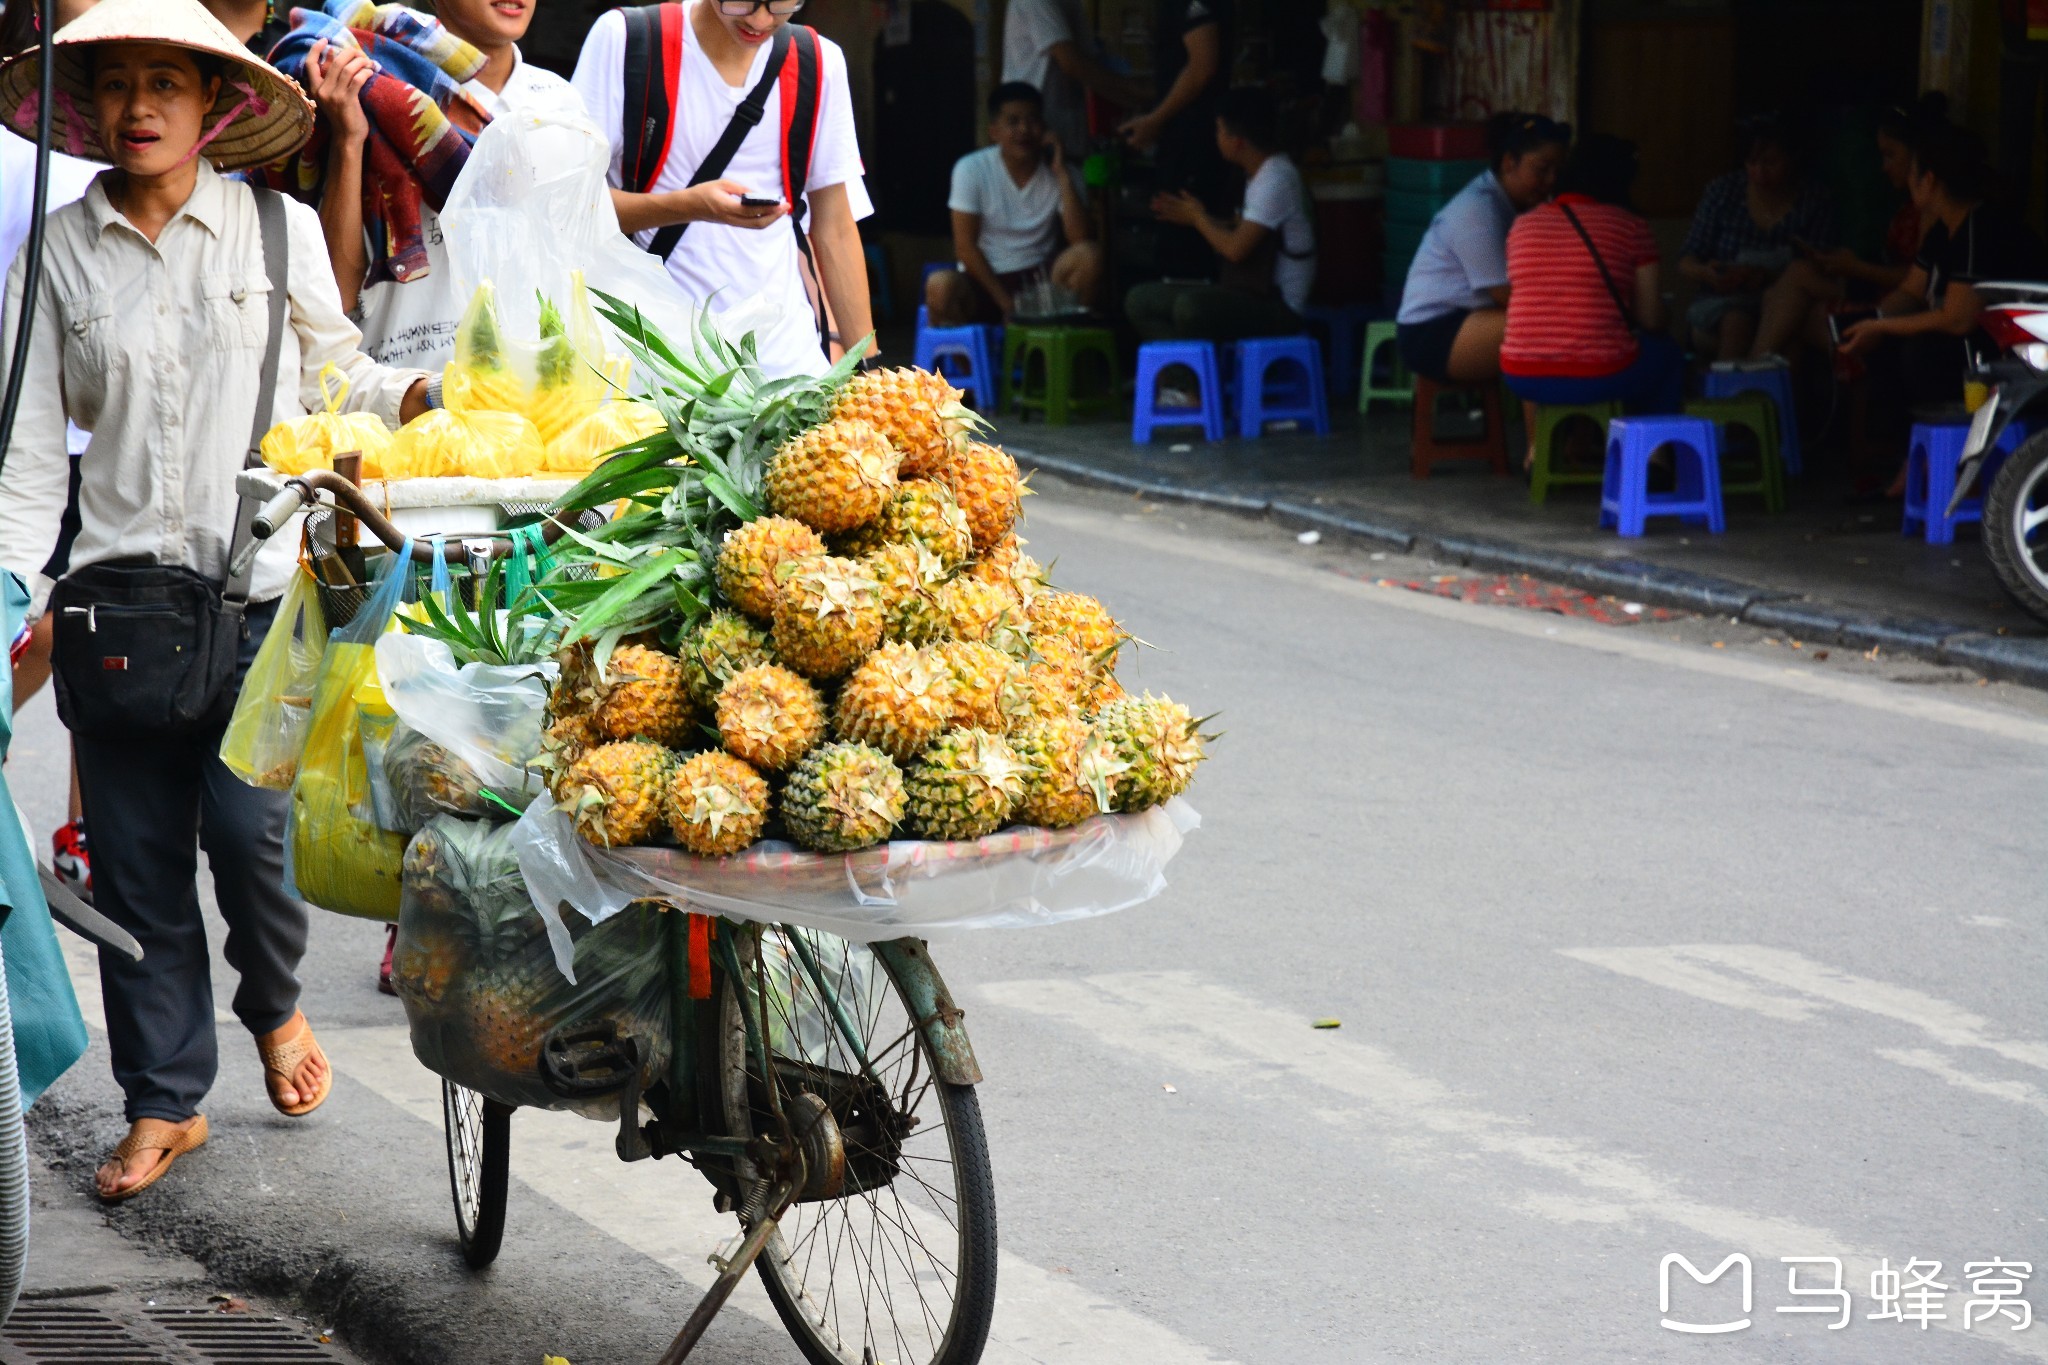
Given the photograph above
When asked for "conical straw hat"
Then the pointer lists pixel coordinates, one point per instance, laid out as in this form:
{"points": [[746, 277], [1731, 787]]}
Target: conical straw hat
{"points": [[271, 125]]}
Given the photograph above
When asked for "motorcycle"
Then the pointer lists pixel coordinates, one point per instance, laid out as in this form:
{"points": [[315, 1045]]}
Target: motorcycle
{"points": [[2015, 509]]}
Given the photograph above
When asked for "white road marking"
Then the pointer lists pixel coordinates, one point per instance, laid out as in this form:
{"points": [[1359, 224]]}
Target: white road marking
{"points": [[2018, 1092], [1675, 969], [1194, 1027], [1874, 696]]}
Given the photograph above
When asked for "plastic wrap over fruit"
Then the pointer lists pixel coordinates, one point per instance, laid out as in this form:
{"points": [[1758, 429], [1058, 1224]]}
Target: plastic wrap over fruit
{"points": [[487, 716], [477, 974], [479, 443], [1016, 878]]}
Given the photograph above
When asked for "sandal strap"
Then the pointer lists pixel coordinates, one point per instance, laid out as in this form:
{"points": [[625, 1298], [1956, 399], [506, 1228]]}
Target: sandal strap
{"points": [[168, 1138], [283, 1059]]}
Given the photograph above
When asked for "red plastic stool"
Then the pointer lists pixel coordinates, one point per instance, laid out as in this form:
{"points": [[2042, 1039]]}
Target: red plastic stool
{"points": [[1426, 450]]}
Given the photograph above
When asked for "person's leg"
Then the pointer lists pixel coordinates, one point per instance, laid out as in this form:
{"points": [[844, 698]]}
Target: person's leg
{"points": [[1150, 309], [949, 297], [1214, 313], [34, 669], [1475, 351], [1078, 270], [1788, 307], [1736, 331]]}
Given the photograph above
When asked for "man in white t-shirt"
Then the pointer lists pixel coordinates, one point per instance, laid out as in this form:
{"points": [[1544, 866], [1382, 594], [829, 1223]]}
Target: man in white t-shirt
{"points": [[1018, 219], [1268, 254], [1047, 45], [411, 323], [737, 247]]}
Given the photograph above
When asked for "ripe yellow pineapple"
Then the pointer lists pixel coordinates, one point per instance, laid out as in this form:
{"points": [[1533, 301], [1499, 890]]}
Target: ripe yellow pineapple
{"points": [[716, 805], [964, 786], [770, 717], [828, 617], [614, 792], [976, 611], [751, 554], [1052, 685], [922, 513], [1103, 690], [1065, 761], [723, 644], [1005, 565], [1156, 745], [898, 700], [980, 673], [1081, 621], [918, 411], [641, 695], [983, 479], [910, 577], [833, 477]]}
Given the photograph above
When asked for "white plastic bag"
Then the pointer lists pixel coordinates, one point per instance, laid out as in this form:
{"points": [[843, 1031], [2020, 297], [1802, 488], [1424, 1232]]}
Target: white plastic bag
{"points": [[488, 716]]}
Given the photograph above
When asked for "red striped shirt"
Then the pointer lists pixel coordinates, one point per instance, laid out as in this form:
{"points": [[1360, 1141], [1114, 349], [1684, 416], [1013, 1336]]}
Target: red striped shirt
{"points": [[1561, 319]]}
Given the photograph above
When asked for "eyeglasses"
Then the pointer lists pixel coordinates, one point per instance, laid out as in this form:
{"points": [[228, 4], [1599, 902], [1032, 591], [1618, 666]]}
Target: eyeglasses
{"points": [[740, 9]]}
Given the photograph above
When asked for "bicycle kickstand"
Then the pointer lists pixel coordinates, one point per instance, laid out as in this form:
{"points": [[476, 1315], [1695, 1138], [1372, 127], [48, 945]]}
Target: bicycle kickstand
{"points": [[729, 1275]]}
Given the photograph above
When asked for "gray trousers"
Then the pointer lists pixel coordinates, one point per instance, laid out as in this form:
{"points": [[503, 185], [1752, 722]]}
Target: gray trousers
{"points": [[151, 804], [1208, 312]]}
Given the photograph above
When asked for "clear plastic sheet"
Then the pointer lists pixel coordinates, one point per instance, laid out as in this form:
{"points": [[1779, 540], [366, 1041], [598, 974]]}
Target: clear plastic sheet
{"points": [[488, 716]]}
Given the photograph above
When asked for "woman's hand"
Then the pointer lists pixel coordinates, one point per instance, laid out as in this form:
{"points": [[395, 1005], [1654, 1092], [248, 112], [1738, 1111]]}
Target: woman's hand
{"points": [[1141, 132], [1178, 207], [1862, 337], [338, 75], [718, 201]]}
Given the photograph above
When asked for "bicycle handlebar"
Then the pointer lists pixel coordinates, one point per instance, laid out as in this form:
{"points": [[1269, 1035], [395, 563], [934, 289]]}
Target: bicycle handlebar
{"points": [[303, 490]]}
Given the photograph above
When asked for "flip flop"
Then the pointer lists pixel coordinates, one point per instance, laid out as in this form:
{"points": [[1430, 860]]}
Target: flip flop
{"points": [[282, 1060], [163, 1136]]}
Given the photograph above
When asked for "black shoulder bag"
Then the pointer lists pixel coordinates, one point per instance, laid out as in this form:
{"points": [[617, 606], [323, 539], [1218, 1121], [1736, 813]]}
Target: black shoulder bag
{"points": [[1628, 316], [146, 649]]}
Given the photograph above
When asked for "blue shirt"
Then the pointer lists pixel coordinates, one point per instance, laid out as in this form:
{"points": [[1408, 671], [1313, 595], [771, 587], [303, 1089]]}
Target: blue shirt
{"points": [[1464, 254]]}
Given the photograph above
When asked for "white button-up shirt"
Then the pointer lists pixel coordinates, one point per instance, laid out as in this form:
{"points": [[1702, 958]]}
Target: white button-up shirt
{"points": [[155, 349]]}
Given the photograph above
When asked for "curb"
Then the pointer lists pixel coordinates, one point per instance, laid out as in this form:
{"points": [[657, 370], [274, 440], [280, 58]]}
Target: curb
{"points": [[2014, 659]]}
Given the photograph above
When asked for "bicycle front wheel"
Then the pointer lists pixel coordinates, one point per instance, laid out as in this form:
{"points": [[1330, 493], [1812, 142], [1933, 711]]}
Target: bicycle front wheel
{"points": [[479, 1161], [900, 1266]]}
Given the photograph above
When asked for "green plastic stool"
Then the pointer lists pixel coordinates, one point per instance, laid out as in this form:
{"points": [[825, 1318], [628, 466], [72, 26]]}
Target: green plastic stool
{"points": [[1756, 411], [1400, 386], [1061, 351], [1543, 476]]}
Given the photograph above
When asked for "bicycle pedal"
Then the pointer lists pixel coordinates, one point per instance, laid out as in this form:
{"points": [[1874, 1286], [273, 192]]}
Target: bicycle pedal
{"points": [[588, 1061]]}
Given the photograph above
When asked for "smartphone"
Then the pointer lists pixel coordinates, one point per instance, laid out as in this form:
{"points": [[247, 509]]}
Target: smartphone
{"points": [[760, 201], [1838, 323]]}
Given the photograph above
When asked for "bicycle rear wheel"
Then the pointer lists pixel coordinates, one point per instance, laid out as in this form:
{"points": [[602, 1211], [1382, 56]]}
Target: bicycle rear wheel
{"points": [[479, 1135], [901, 1265]]}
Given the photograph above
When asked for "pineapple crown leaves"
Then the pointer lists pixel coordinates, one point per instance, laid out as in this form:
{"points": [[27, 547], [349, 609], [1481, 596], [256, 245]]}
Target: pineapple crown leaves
{"points": [[714, 803], [527, 635], [1100, 766], [840, 586]]}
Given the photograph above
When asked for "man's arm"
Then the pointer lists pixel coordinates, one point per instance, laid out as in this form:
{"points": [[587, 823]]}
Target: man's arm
{"points": [[967, 250], [1205, 58], [714, 201], [842, 267], [1234, 242], [338, 76], [1074, 222]]}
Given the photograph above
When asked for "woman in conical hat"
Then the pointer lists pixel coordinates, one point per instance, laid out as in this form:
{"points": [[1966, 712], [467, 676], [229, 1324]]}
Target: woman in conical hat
{"points": [[153, 330]]}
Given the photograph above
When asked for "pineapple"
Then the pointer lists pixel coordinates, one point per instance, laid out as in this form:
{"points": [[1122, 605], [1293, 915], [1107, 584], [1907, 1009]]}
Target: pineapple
{"points": [[898, 700], [716, 805], [1157, 745], [918, 411], [614, 791], [1052, 685], [834, 477], [965, 785], [641, 695], [1103, 691], [751, 554], [843, 797], [1081, 621], [723, 644], [1067, 761], [828, 616], [920, 513], [1006, 566], [976, 611], [910, 577], [770, 717], [984, 482], [980, 673]]}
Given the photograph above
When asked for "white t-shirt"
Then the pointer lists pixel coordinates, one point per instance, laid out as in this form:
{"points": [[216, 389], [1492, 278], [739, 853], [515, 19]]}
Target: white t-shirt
{"points": [[1275, 198], [1020, 228], [412, 325], [718, 266], [1031, 29], [69, 176]]}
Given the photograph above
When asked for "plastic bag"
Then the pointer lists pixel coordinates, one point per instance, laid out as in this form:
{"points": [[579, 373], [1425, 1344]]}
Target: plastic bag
{"points": [[421, 779], [312, 442], [268, 729], [487, 716], [475, 971], [577, 450], [336, 856], [479, 443]]}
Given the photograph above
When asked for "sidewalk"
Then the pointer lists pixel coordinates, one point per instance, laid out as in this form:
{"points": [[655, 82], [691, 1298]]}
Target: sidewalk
{"points": [[1825, 570]]}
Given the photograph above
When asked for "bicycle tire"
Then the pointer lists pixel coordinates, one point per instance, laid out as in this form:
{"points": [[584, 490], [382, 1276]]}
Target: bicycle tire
{"points": [[789, 1274], [479, 1139]]}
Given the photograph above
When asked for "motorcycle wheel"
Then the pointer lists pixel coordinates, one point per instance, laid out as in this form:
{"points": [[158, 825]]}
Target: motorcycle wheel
{"points": [[2016, 525]]}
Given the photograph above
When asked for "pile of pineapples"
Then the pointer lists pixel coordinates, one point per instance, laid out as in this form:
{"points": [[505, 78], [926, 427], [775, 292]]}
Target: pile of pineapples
{"points": [[881, 658]]}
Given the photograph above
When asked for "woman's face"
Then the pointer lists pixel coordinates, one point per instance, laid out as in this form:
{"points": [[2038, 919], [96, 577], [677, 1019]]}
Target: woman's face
{"points": [[149, 99], [1770, 170], [1529, 178], [1895, 158], [1921, 185]]}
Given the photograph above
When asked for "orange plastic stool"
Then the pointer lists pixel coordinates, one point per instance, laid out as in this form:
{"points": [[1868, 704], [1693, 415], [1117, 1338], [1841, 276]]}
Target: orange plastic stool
{"points": [[1426, 450]]}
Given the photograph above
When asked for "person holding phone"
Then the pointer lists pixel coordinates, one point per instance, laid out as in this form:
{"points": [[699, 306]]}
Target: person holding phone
{"points": [[1741, 238], [1018, 217]]}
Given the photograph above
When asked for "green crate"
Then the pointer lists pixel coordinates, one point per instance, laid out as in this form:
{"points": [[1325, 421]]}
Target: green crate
{"points": [[1440, 178]]}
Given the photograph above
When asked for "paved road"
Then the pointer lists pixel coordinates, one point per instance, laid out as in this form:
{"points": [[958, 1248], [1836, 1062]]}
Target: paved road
{"points": [[1647, 939]]}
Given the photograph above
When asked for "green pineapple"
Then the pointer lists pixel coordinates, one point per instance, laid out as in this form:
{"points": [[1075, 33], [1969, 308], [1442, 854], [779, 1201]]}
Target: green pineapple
{"points": [[843, 797]]}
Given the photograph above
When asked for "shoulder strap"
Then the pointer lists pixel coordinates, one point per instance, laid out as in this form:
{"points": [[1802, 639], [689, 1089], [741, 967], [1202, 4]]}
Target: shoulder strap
{"points": [[1628, 315], [654, 51], [803, 81], [743, 122], [277, 266]]}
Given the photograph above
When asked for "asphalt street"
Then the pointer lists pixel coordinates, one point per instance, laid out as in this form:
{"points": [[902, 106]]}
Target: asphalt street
{"points": [[1666, 937]]}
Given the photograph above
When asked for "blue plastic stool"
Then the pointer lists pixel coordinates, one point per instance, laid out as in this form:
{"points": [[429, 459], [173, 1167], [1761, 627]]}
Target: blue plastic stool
{"points": [[1625, 497], [1346, 325], [1931, 476], [1154, 357], [1286, 398], [1776, 382], [971, 349]]}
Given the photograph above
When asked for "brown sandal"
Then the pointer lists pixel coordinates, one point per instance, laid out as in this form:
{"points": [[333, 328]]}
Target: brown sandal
{"points": [[161, 1136], [282, 1060]]}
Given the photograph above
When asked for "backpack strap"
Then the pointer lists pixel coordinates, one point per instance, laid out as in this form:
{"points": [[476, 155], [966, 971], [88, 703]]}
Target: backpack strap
{"points": [[802, 98], [654, 64], [275, 236], [744, 120]]}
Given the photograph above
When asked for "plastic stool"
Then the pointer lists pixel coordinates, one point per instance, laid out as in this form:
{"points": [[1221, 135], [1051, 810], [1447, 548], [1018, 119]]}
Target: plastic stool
{"points": [[1931, 476], [1543, 473], [1400, 385], [1154, 358], [975, 344], [1625, 497], [1756, 411], [1425, 450], [1060, 350], [1777, 382], [1345, 324], [1262, 399], [879, 288]]}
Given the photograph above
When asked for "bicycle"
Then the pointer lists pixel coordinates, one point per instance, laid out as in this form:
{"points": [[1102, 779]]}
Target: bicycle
{"points": [[824, 1088]]}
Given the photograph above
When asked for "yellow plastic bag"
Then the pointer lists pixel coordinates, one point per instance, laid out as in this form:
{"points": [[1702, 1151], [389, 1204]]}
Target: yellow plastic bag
{"points": [[482, 377], [268, 730], [311, 442], [485, 445], [577, 450]]}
